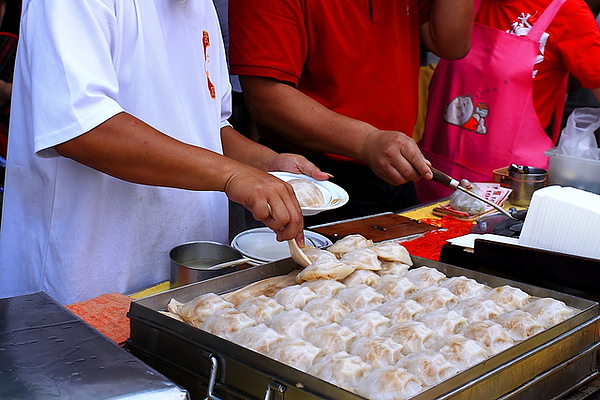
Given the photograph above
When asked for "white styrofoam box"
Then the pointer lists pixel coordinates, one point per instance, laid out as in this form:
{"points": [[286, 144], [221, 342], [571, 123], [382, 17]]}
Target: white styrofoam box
{"points": [[565, 220]]}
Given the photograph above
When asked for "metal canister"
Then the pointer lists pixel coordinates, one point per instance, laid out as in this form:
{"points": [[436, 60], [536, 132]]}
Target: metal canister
{"points": [[196, 261], [525, 180]]}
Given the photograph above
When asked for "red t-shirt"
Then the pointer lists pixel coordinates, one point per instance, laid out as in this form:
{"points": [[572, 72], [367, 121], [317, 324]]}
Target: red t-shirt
{"points": [[359, 58], [572, 44]]}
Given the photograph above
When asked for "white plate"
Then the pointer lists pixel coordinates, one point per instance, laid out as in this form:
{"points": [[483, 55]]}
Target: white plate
{"points": [[333, 194], [261, 244]]}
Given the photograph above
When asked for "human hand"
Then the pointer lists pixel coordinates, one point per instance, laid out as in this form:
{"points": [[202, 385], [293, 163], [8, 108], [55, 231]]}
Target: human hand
{"points": [[270, 200], [296, 164], [395, 157]]}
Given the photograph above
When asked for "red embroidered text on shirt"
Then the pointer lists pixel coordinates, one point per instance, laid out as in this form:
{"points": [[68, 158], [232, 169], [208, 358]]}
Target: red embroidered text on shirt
{"points": [[206, 43]]}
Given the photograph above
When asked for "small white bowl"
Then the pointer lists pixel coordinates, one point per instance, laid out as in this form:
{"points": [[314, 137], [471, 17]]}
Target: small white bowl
{"points": [[261, 245]]}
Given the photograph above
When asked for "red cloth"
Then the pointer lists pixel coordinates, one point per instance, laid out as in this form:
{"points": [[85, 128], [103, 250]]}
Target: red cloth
{"points": [[573, 44], [430, 244], [107, 313], [359, 58]]}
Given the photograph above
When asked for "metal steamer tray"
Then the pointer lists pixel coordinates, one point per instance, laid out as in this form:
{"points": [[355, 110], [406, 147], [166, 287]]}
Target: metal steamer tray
{"points": [[545, 366]]}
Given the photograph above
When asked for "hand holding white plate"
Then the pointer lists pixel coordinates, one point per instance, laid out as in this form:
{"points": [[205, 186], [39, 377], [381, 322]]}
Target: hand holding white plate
{"points": [[333, 195]]}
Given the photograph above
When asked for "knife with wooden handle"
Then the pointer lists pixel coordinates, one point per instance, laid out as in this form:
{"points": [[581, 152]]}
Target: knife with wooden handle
{"points": [[452, 183]]}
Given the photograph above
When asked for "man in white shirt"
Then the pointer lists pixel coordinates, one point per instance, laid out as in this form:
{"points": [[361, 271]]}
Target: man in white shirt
{"points": [[120, 148]]}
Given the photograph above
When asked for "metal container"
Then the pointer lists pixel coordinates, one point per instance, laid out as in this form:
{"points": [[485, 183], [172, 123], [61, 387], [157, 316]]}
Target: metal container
{"points": [[546, 365], [196, 261], [523, 181]]}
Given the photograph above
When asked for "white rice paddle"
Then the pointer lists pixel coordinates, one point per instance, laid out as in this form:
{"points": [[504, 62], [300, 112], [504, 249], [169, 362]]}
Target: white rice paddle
{"points": [[297, 254]]}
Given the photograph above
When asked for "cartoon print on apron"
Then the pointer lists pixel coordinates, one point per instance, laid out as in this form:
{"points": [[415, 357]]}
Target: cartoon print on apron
{"points": [[481, 115], [463, 112]]}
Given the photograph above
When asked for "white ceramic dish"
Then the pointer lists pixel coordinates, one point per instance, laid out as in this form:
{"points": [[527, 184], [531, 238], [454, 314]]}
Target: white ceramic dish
{"points": [[261, 245], [334, 195]]}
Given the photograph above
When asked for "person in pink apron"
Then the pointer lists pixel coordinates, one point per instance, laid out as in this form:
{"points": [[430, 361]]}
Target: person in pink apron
{"points": [[485, 111]]}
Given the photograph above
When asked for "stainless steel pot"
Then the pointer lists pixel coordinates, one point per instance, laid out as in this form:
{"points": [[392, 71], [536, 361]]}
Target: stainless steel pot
{"points": [[196, 261], [524, 181]]}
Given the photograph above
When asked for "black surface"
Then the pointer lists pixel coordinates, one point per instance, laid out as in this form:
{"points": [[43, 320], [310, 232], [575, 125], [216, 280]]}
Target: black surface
{"points": [[46, 352], [578, 276], [501, 225]]}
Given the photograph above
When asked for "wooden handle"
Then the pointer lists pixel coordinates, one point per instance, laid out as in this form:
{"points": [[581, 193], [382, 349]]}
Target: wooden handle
{"points": [[444, 179]]}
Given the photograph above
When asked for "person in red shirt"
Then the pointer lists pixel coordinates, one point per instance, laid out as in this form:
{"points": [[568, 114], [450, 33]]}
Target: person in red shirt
{"points": [[337, 81], [521, 55]]}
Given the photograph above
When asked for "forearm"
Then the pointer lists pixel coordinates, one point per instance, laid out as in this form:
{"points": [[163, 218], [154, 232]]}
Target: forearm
{"points": [[448, 33], [302, 120], [129, 149], [392, 155], [245, 150]]}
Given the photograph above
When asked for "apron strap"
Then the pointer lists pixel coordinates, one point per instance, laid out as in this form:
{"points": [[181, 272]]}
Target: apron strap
{"points": [[544, 20], [535, 33]]}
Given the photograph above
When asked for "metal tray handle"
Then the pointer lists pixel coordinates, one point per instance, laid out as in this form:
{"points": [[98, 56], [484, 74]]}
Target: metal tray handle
{"points": [[274, 391], [214, 370]]}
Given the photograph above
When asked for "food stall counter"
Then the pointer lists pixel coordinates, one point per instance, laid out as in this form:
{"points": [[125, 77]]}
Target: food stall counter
{"points": [[46, 352]]}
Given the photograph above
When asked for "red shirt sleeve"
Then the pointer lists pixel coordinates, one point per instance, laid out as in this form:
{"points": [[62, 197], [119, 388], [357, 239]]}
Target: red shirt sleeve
{"points": [[267, 38], [579, 43]]}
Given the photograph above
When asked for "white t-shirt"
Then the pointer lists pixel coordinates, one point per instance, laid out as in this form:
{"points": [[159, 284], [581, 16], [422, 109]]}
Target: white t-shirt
{"points": [[70, 230]]}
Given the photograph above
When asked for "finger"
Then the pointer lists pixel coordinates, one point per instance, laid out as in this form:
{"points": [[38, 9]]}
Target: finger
{"points": [[395, 175], [399, 170], [279, 215], [285, 228], [293, 230], [417, 163], [285, 210], [422, 165], [315, 172], [295, 226], [261, 211], [301, 165], [294, 219], [300, 239]]}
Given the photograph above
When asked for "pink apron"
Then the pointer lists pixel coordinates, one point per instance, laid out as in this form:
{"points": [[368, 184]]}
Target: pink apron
{"points": [[481, 115]]}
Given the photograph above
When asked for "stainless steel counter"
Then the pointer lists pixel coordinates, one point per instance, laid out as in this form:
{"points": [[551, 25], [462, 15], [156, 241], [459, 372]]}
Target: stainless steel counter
{"points": [[46, 352]]}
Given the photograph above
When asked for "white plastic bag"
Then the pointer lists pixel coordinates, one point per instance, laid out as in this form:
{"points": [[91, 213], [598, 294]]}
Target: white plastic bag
{"points": [[577, 138], [461, 201]]}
